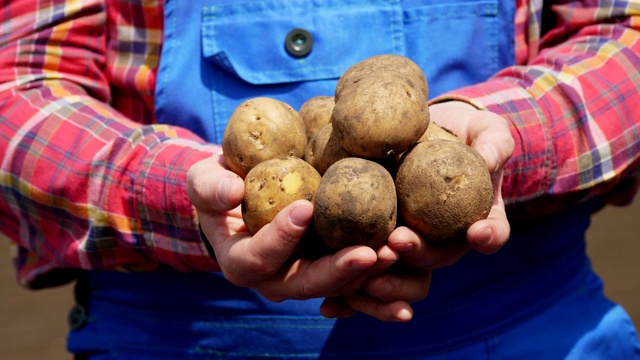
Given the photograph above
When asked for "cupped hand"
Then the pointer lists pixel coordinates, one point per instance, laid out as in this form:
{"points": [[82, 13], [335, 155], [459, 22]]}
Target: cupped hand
{"points": [[490, 135], [264, 261]]}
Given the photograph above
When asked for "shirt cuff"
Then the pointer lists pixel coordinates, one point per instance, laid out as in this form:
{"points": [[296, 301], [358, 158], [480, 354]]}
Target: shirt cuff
{"points": [[170, 226]]}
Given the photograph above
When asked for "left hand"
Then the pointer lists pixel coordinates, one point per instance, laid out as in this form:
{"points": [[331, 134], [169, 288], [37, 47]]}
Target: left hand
{"points": [[490, 135]]}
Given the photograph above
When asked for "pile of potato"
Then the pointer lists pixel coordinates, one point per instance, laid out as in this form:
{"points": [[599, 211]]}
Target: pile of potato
{"points": [[368, 158]]}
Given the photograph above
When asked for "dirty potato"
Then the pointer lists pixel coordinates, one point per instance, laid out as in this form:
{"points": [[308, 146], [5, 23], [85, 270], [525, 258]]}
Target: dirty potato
{"points": [[260, 129], [355, 204], [443, 187], [316, 113], [324, 149], [380, 116]]}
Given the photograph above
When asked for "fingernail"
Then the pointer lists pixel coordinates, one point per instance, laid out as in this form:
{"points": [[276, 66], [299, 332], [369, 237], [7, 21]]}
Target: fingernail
{"points": [[361, 265], [223, 190], [490, 154], [484, 236], [403, 247], [404, 315], [301, 216]]}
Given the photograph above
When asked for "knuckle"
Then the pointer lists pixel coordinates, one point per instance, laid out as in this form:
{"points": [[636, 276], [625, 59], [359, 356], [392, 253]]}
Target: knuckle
{"points": [[309, 290], [273, 296]]}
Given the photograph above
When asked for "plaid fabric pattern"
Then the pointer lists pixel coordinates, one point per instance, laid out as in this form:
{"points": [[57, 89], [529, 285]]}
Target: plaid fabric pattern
{"points": [[573, 100], [84, 163]]}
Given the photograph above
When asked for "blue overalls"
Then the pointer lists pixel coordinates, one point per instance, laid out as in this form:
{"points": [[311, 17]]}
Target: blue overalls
{"points": [[537, 298]]}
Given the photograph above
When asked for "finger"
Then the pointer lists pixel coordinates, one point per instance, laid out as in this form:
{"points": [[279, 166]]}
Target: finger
{"points": [[398, 311], [485, 131], [385, 259], [336, 308], [417, 252], [490, 135], [212, 188], [489, 235], [389, 287], [306, 279], [250, 259]]}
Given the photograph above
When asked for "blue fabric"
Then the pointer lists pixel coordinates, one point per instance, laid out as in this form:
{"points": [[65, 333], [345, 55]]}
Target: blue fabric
{"points": [[218, 54], [536, 298]]}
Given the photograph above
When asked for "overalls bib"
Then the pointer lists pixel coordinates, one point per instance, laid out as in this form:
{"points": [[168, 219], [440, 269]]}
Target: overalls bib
{"points": [[216, 54]]}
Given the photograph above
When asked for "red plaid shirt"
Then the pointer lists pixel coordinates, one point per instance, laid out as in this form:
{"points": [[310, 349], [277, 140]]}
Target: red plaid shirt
{"points": [[89, 180]]}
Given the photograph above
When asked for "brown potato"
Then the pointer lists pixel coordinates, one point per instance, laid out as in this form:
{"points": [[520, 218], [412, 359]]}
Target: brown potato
{"points": [[437, 132], [355, 204], [260, 129], [272, 185], [324, 149], [380, 116], [316, 113], [383, 63], [443, 187]]}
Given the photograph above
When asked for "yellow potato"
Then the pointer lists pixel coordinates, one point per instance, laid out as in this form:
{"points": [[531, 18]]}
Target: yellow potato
{"points": [[272, 185], [261, 129]]}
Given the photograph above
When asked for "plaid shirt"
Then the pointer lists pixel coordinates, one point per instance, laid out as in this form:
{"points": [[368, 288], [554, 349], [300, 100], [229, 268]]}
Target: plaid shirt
{"points": [[89, 180]]}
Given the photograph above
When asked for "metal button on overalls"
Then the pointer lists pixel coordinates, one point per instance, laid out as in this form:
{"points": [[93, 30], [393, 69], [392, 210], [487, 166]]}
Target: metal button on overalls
{"points": [[299, 42]]}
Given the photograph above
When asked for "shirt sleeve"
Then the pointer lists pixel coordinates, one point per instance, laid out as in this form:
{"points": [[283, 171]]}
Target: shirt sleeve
{"points": [[572, 100], [82, 185]]}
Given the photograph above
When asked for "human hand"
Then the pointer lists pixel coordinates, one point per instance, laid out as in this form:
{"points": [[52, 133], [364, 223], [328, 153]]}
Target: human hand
{"points": [[264, 261], [409, 280], [490, 135]]}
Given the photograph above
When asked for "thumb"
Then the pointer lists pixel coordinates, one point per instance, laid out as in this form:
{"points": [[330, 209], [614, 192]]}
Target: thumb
{"points": [[212, 188]]}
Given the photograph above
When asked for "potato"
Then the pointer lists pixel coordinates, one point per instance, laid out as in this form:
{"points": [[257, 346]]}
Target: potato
{"points": [[355, 204], [437, 132], [260, 129], [324, 149], [443, 187], [382, 63], [380, 116], [272, 185], [316, 113]]}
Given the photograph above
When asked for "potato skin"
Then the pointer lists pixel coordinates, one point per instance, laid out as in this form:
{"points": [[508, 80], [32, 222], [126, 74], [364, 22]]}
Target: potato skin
{"points": [[316, 113], [383, 63], [324, 149], [260, 129], [272, 185], [443, 187], [380, 116], [355, 204], [437, 132]]}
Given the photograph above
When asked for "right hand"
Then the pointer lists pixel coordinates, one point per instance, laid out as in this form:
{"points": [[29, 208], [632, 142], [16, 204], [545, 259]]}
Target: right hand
{"points": [[263, 261]]}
